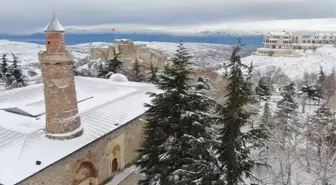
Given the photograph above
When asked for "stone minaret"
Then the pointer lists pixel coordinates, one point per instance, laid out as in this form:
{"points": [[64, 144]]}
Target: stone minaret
{"points": [[62, 119]]}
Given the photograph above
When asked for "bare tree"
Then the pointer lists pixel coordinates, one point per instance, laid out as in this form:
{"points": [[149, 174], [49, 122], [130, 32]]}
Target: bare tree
{"points": [[320, 151], [329, 89], [280, 153]]}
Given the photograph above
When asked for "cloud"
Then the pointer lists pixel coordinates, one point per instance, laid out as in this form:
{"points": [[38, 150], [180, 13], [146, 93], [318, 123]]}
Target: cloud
{"points": [[23, 15]]}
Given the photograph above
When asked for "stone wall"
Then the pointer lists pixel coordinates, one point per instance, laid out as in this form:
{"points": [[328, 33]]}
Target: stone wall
{"points": [[93, 162], [277, 52]]}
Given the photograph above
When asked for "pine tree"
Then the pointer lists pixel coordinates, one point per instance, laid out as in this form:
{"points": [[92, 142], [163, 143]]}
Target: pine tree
{"points": [[153, 74], [15, 78], [4, 65], [102, 72], [266, 121], [287, 109], [15, 61], [114, 65], [320, 84], [263, 90], [136, 69], [177, 150], [234, 148]]}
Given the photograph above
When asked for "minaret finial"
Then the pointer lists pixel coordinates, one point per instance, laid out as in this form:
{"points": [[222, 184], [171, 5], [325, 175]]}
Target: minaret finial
{"points": [[54, 14]]}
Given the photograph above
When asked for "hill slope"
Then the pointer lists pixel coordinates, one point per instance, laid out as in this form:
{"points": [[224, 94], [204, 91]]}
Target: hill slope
{"points": [[295, 67]]}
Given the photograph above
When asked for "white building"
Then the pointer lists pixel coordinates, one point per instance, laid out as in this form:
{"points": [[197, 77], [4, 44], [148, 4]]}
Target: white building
{"points": [[279, 40], [278, 44], [319, 38], [284, 43]]}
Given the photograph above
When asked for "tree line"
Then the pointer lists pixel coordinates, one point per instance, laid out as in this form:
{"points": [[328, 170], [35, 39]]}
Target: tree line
{"points": [[192, 139], [114, 66]]}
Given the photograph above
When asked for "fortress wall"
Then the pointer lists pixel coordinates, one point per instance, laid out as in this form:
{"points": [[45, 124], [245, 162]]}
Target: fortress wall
{"points": [[129, 52]]}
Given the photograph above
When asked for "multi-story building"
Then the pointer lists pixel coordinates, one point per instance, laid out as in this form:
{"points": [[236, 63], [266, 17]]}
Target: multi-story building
{"points": [[319, 38], [279, 40], [284, 43]]}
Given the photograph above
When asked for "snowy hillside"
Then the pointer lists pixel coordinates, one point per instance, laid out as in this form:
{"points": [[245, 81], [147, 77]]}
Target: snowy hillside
{"points": [[203, 53], [27, 53], [295, 67]]}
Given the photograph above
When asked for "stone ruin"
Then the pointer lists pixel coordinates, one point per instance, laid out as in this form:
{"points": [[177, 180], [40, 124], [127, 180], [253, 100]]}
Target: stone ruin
{"points": [[129, 53]]}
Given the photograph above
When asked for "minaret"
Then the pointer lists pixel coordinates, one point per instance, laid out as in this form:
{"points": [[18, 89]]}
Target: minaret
{"points": [[62, 119]]}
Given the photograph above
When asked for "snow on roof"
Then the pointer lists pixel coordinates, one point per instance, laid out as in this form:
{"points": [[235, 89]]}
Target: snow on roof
{"points": [[54, 25], [22, 138], [325, 34], [279, 33]]}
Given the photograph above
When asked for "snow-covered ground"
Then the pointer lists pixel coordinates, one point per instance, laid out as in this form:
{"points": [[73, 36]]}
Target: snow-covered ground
{"points": [[295, 67], [204, 54]]}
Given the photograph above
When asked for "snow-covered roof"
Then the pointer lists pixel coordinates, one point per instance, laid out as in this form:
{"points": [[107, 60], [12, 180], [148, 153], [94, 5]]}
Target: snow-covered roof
{"points": [[325, 34], [278, 33], [103, 107], [54, 26]]}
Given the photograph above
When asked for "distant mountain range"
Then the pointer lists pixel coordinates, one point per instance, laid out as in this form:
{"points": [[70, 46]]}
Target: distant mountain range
{"points": [[219, 37]]}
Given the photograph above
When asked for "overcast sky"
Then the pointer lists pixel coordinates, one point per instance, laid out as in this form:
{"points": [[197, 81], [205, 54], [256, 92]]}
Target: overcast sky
{"points": [[28, 15]]}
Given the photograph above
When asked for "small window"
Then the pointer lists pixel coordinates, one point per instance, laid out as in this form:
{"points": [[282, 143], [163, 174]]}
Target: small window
{"points": [[48, 42]]}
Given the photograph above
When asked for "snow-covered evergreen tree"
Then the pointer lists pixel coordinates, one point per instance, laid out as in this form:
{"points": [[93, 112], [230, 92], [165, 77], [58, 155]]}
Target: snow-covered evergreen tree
{"points": [[15, 61], [114, 65], [16, 72], [178, 147], [266, 120], [153, 74], [236, 135], [321, 82], [102, 71], [4, 65], [287, 109], [262, 90], [136, 69]]}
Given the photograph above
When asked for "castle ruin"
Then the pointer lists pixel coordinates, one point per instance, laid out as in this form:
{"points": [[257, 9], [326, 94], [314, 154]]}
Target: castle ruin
{"points": [[128, 53]]}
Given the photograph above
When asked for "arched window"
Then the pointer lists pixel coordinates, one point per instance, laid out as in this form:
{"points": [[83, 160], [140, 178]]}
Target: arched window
{"points": [[304, 41], [115, 158]]}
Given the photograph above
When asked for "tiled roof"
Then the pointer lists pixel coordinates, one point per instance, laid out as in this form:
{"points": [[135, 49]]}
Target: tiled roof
{"points": [[22, 138]]}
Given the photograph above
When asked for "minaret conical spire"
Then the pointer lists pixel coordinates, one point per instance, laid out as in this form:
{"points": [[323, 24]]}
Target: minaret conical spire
{"points": [[54, 25]]}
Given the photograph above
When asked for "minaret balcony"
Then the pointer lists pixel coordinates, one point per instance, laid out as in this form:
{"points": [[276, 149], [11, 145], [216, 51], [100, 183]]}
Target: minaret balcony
{"points": [[55, 57]]}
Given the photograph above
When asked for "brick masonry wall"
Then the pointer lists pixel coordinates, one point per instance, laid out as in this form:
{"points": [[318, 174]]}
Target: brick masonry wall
{"points": [[55, 42], [98, 153]]}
